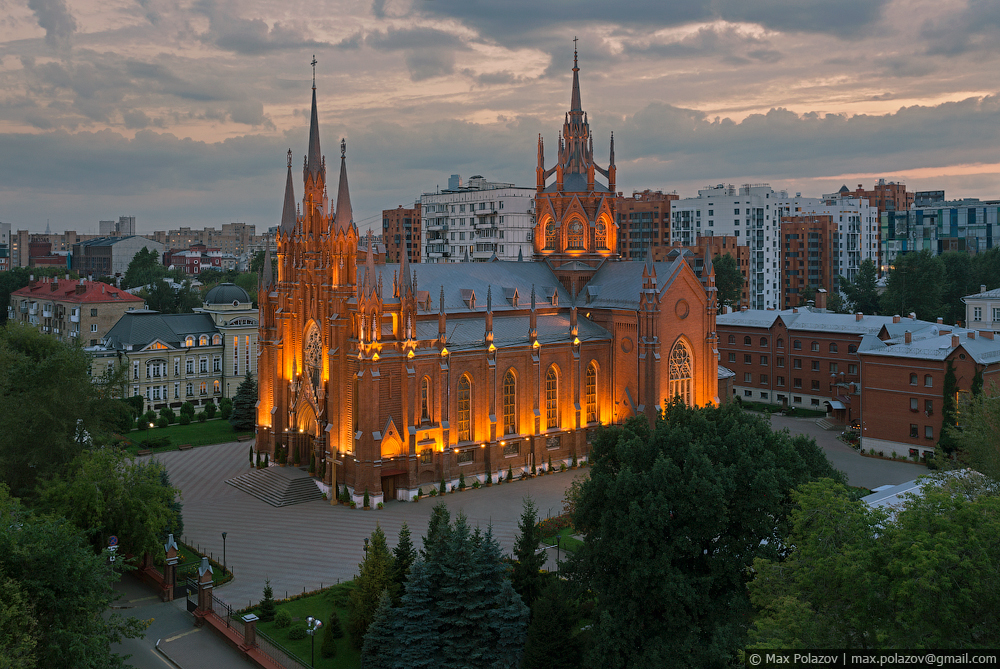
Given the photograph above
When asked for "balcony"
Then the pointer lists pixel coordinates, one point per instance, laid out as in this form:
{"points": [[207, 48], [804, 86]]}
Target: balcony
{"points": [[24, 307], [75, 316], [33, 309], [74, 333], [47, 312]]}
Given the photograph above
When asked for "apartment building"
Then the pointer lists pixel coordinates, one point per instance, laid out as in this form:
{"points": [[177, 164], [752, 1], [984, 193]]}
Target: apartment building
{"points": [[809, 253], [71, 310], [401, 233], [938, 225], [477, 222], [643, 222], [234, 238]]}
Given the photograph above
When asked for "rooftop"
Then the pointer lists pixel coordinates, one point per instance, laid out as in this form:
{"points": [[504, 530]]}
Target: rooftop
{"points": [[54, 290]]}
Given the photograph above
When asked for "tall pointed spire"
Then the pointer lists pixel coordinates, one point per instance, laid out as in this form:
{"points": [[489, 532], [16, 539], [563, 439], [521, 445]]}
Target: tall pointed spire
{"points": [[267, 278], [574, 103], [315, 160], [345, 216], [288, 210]]}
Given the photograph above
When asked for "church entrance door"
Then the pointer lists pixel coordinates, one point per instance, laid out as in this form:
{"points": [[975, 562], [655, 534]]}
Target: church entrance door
{"points": [[388, 487]]}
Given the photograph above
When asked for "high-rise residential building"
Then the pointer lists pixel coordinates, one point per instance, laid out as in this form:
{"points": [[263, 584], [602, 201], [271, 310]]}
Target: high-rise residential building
{"points": [[939, 225], [4, 247], [401, 233], [809, 253], [753, 213], [61, 244], [643, 221], [887, 197], [123, 227], [477, 222], [234, 238]]}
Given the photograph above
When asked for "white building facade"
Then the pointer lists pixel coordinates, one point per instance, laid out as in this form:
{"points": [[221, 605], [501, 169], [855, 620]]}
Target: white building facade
{"points": [[753, 213], [477, 221]]}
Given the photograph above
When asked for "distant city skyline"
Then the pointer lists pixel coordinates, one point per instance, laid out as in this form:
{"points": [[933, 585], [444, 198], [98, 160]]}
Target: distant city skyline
{"points": [[181, 116]]}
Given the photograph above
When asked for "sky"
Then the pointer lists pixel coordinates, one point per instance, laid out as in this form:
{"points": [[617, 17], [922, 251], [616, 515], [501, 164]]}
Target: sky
{"points": [[181, 113]]}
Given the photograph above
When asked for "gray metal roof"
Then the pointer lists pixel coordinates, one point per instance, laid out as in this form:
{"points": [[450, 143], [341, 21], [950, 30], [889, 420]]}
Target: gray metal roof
{"points": [[983, 350], [576, 183], [470, 333], [987, 295], [814, 320], [618, 285], [140, 328]]}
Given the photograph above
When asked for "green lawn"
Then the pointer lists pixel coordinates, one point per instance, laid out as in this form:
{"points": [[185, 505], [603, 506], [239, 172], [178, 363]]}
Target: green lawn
{"points": [[319, 606], [566, 542], [214, 431]]}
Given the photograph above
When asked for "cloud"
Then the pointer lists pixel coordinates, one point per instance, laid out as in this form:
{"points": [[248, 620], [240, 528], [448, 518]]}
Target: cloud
{"points": [[251, 37], [428, 52], [959, 31], [727, 42], [250, 112], [54, 17]]}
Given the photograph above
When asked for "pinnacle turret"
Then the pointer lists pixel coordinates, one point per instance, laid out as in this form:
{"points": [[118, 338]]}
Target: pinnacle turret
{"points": [[288, 210], [344, 216]]}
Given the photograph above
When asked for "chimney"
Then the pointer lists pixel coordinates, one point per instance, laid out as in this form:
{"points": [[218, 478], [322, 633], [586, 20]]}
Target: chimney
{"points": [[987, 334], [821, 298], [954, 340], [858, 316], [908, 337], [54, 286], [972, 334], [743, 308], [80, 288], [895, 318], [795, 310], [913, 316], [982, 288], [940, 320]]}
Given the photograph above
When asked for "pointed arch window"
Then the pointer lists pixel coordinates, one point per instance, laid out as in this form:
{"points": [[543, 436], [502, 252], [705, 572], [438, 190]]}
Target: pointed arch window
{"points": [[601, 236], [551, 398], [509, 403], [425, 400], [680, 373], [465, 408], [591, 392], [551, 233], [574, 240]]}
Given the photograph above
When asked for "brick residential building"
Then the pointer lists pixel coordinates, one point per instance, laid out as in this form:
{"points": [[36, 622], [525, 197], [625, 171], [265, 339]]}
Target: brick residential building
{"points": [[401, 232], [643, 221], [809, 253], [71, 310]]}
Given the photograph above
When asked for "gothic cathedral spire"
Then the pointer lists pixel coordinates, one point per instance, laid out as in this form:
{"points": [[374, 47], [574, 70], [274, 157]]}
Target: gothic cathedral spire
{"points": [[345, 216]]}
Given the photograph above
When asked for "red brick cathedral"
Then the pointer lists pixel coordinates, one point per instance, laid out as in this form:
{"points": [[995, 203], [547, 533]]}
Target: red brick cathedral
{"points": [[399, 376]]}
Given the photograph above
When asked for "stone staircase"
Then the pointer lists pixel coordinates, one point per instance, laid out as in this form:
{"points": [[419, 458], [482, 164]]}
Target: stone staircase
{"points": [[278, 486], [828, 425]]}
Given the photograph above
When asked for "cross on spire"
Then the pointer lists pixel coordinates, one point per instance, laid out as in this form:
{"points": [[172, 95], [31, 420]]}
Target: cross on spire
{"points": [[314, 70], [575, 39], [343, 147]]}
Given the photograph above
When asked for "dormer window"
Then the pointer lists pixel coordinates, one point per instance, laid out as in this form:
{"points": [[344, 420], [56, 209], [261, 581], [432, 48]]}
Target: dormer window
{"points": [[189, 341], [203, 340]]}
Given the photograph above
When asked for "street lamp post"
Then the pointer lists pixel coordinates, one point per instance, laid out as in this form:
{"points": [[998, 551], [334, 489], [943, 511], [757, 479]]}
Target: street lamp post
{"points": [[224, 567], [312, 625]]}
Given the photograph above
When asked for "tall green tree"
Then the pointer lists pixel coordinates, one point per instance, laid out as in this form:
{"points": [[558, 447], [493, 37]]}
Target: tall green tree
{"points": [[915, 285], [861, 294], [551, 641], [106, 492], [958, 284], [728, 280], [673, 515], [403, 556], [857, 577], [46, 400], [145, 268], [978, 439], [986, 270], [374, 578], [949, 410], [376, 652], [66, 590], [528, 562], [244, 416]]}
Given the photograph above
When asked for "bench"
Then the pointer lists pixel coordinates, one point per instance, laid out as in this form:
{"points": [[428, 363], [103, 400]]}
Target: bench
{"points": [[145, 451], [245, 437], [185, 447]]}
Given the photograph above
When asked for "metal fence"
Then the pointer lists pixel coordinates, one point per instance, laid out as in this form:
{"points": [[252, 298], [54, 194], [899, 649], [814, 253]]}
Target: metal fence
{"points": [[278, 653], [224, 612]]}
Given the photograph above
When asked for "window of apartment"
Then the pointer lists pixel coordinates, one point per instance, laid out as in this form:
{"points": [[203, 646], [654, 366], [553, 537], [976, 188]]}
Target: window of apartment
{"points": [[913, 379], [780, 362], [177, 389], [747, 359], [913, 430], [216, 386], [977, 313], [747, 341], [815, 365], [763, 342], [203, 340], [747, 377], [747, 393], [928, 432], [732, 339], [796, 383], [203, 389], [833, 368], [511, 449], [779, 380], [732, 357], [928, 381], [93, 327], [93, 312], [217, 364], [203, 367], [852, 348], [189, 389], [797, 345], [852, 370], [797, 363], [913, 404], [780, 343], [814, 402], [426, 456], [929, 407], [814, 346], [763, 379], [996, 314], [763, 359], [833, 348], [815, 385], [177, 366], [189, 366]]}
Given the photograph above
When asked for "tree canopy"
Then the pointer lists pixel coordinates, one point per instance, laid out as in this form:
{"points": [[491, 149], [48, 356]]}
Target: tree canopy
{"points": [[145, 268], [915, 285], [728, 280], [673, 516], [244, 416], [861, 294]]}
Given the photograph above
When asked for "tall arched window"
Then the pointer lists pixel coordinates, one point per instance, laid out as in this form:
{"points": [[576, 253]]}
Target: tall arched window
{"points": [[425, 400], [680, 373], [551, 398], [574, 240], [601, 236], [464, 408], [591, 393], [509, 403], [551, 230]]}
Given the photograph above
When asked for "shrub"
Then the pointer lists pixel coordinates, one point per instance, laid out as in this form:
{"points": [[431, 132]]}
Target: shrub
{"points": [[434, 492], [549, 468], [225, 402], [461, 481], [283, 619], [533, 471], [185, 419], [202, 417], [167, 412], [226, 412], [150, 416], [312, 463], [574, 459], [367, 499], [328, 648], [333, 626], [379, 505], [443, 489], [154, 442], [210, 409], [162, 422], [420, 492], [510, 474], [187, 409], [562, 466], [297, 633], [258, 461], [267, 604], [265, 460], [142, 423], [475, 484]]}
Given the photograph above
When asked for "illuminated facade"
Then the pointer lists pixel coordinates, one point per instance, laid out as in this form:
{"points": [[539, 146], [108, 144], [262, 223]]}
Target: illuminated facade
{"points": [[401, 375]]}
